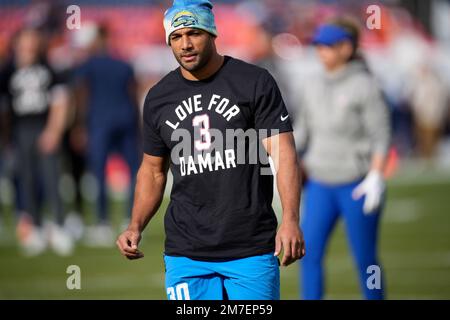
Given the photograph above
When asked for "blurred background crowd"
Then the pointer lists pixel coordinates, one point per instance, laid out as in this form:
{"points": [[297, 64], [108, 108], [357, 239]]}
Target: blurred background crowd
{"points": [[76, 94]]}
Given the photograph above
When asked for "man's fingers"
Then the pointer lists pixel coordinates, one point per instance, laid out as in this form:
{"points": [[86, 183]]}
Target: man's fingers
{"points": [[127, 243], [119, 245], [302, 249], [295, 247], [123, 244], [134, 240], [129, 249], [287, 256], [129, 252], [295, 250], [277, 246], [125, 247], [134, 256]]}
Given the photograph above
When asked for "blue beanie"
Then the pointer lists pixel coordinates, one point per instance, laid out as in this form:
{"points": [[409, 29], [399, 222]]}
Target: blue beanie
{"points": [[189, 14], [330, 34]]}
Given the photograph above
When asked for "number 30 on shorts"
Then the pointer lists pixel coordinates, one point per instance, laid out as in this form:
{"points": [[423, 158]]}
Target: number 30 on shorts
{"points": [[180, 292]]}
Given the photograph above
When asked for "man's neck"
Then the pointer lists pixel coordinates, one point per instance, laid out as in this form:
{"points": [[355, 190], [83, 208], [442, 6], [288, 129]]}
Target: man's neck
{"points": [[24, 63], [207, 71]]}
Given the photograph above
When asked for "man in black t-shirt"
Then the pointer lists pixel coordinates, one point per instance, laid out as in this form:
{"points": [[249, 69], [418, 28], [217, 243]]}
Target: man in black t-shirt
{"points": [[37, 104], [209, 120]]}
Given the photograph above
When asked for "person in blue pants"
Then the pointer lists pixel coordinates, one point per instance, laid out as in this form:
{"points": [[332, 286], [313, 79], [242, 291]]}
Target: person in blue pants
{"points": [[343, 134], [109, 113]]}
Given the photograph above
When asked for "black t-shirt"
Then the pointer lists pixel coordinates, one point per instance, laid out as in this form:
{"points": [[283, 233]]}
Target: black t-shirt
{"points": [[220, 207], [28, 91]]}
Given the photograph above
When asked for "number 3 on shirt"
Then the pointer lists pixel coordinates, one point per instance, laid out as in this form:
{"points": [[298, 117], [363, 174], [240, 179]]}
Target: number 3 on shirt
{"points": [[204, 142]]}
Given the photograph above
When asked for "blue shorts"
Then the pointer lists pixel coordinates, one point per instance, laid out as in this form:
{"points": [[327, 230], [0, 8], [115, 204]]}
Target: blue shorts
{"points": [[252, 278]]}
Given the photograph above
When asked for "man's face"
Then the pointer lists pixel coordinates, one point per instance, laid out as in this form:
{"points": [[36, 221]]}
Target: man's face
{"points": [[27, 47], [193, 48]]}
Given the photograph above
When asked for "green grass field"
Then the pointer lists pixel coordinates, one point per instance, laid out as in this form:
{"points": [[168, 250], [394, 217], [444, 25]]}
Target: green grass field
{"points": [[415, 253]]}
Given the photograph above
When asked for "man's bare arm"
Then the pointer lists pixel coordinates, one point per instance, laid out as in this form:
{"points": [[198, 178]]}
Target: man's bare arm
{"points": [[149, 191], [51, 136], [281, 148]]}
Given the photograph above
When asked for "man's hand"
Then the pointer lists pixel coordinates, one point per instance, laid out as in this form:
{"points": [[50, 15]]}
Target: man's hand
{"points": [[148, 195], [78, 139], [128, 243], [281, 149], [290, 239], [49, 141], [372, 187]]}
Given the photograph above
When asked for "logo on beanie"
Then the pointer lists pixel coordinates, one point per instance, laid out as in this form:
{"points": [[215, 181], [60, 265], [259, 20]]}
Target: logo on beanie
{"points": [[184, 18]]}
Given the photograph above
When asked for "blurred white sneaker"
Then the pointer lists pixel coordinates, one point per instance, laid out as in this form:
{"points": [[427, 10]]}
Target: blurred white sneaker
{"points": [[100, 236], [73, 225], [34, 243], [60, 241]]}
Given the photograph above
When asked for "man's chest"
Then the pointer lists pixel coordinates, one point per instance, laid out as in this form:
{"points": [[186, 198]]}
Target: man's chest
{"points": [[202, 116]]}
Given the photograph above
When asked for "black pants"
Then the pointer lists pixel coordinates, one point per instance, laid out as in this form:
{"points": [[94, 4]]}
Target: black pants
{"points": [[38, 173]]}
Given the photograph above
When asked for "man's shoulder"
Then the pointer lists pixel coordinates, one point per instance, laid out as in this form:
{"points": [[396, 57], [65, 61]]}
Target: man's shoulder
{"points": [[246, 67], [163, 86]]}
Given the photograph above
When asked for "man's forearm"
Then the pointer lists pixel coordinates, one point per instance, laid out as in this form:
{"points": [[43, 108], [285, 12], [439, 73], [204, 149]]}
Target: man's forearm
{"points": [[57, 119], [289, 238], [80, 98], [281, 149], [148, 197], [288, 182]]}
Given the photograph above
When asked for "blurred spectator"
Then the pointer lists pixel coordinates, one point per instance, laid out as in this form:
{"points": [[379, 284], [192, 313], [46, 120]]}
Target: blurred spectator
{"points": [[429, 103], [73, 148], [8, 164], [343, 133], [108, 121], [38, 106]]}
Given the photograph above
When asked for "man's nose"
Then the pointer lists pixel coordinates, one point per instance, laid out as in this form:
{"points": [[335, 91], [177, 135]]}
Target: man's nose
{"points": [[186, 43]]}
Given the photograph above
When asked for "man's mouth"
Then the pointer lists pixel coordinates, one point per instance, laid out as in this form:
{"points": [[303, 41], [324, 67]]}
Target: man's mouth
{"points": [[189, 57]]}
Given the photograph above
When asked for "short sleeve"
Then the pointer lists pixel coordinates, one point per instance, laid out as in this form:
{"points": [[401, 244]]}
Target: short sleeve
{"points": [[59, 91], [270, 110], [152, 142]]}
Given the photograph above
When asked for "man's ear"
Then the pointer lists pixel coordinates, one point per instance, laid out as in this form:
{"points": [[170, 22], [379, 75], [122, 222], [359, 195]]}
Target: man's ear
{"points": [[213, 39]]}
